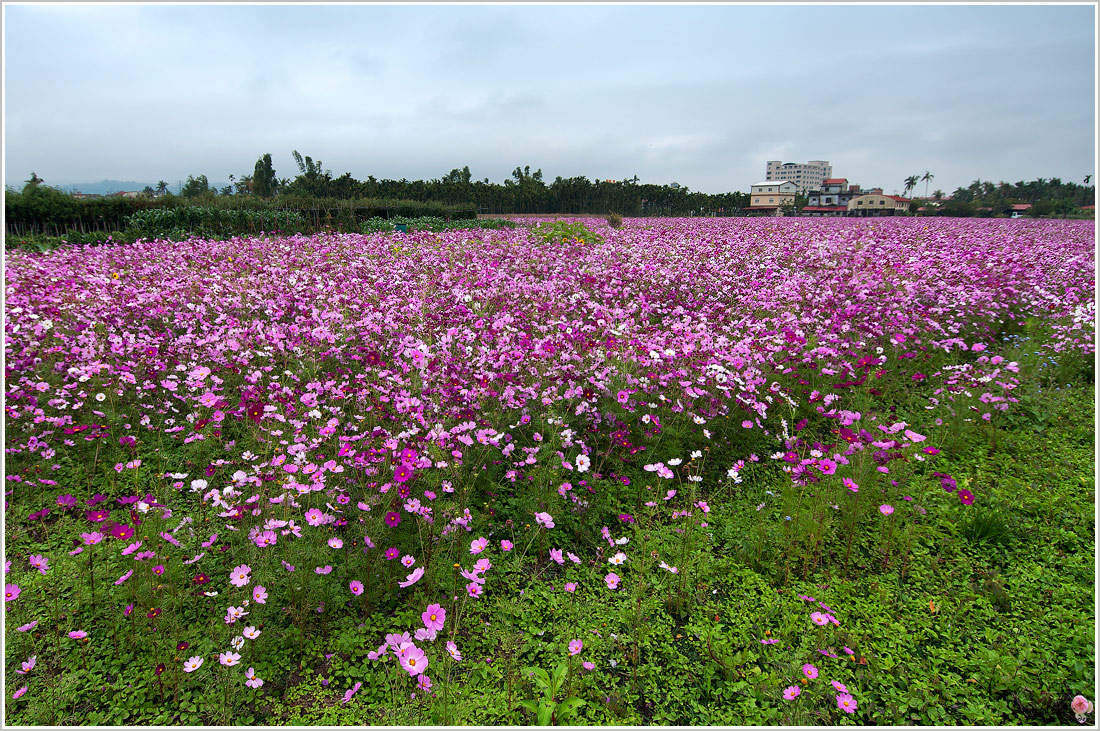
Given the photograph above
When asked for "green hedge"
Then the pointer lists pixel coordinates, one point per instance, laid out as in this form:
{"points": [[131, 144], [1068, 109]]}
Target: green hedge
{"points": [[49, 211]]}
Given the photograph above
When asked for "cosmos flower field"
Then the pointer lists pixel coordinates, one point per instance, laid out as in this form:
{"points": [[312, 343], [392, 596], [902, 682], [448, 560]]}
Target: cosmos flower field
{"points": [[391, 445]]}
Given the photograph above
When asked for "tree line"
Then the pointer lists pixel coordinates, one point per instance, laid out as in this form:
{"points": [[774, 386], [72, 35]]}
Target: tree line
{"points": [[1051, 197], [524, 192]]}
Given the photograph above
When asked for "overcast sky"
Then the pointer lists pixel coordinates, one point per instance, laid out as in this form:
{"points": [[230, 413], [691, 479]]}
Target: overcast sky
{"points": [[700, 95]]}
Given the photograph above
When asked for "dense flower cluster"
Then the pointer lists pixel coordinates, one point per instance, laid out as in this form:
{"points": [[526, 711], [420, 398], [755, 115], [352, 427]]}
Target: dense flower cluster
{"points": [[351, 371]]}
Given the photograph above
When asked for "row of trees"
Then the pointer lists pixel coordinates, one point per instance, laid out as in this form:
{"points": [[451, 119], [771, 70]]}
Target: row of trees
{"points": [[524, 192], [1046, 197]]}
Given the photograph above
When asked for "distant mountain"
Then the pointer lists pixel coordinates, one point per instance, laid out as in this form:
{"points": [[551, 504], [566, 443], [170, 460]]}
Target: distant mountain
{"points": [[105, 187]]}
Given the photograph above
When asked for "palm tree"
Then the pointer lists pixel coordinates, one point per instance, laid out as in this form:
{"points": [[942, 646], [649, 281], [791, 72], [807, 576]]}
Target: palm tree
{"points": [[162, 187], [926, 178], [910, 183]]}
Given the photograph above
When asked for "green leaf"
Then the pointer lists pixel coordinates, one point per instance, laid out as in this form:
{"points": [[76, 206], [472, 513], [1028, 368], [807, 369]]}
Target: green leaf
{"points": [[546, 713]]}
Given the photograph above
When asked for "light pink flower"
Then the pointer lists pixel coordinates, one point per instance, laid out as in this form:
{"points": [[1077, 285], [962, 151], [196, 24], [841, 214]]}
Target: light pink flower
{"points": [[412, 578]]}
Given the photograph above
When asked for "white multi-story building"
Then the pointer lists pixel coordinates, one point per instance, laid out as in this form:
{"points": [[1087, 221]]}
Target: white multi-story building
{"points": [[770, 197], [808, 176]]}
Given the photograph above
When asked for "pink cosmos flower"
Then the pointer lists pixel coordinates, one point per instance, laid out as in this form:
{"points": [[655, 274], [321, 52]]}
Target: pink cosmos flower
{"points": [[819, 619], [588, 665], [356, 587], [452, 650], [348, 694], [27, 627], [1080, 705], [885, 509], [544, 519], [839, 686], [412, 578], [506, 546], [792, 692], [407, 561], [575, 647], [809, 671], [556, 556], [478, 545], [474, 589], [28, 665], [570, 587], [848, 483], [335, 542], [229, 658], [41, 563], [192, 664], [19, 693], [78, 634], [391, 554], [423, 682], [240, 575], [266, 538], [259, 595], [90, 539], [434, 617], [323, 570], [846, 703], [124, 577], [251, 633], [612, 581], [12, 592], [413, 660]]}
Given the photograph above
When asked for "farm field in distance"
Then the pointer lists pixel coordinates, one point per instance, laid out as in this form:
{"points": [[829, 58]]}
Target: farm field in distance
{"points": [[717, 471]]}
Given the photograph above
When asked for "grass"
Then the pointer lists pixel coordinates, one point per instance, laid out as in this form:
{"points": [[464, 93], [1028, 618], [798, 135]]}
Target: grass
{"points": [[988, 622]]}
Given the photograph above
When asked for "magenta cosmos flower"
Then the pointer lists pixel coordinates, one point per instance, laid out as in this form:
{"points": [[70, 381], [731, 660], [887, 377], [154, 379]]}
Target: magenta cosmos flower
{"points": [[809, 671], [356, 587], [478, 545], [792, 692], [11, 592], [78, 634], [434, 617], [886, 509], [393, 519], [846, 703]]}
